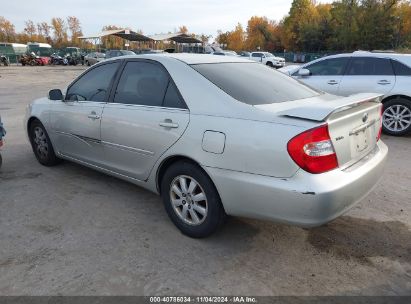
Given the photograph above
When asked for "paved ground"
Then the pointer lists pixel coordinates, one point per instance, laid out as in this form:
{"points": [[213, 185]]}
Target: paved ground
{"points": [[69, 230]]}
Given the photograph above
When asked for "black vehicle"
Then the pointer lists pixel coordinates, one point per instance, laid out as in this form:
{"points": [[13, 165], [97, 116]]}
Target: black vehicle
{"points": [[118, 53], [2, 134], [71, 60], [244, 54], [56, 59], [4, 60]]}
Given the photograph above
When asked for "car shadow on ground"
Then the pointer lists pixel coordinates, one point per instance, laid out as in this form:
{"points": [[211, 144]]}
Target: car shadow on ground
{"points": [[347, 237], [362, 239]]}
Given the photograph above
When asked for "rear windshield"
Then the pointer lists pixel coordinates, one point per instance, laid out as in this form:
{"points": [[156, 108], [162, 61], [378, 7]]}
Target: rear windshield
{"points": [[254, 83]]}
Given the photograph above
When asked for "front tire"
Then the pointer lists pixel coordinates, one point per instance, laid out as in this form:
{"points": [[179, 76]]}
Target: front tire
{"points": [[191, 200], [270, 64], [41, 144], [397, 117]]}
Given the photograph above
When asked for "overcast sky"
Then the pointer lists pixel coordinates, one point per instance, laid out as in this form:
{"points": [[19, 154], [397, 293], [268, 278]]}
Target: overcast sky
{"points": [[153, 17]]}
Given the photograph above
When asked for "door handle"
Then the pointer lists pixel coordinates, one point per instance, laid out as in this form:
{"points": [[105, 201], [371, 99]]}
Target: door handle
{"points": [[332, 82], [93, 116], [168, 123], [384, 82]]}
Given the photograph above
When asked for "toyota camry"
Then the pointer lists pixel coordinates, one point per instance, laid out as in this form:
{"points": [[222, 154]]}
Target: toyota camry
{"points": [[215, 136]]}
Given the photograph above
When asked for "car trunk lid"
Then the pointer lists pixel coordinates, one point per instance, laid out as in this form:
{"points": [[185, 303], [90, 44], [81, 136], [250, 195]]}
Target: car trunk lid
{"points": [[353, 122]]}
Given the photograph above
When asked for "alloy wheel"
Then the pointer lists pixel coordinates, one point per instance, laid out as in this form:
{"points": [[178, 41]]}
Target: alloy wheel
{"points": [[188, 200], [397, 118], [41, 144]]}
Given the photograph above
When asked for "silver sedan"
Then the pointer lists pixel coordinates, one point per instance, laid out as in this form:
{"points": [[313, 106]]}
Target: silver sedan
{"points": [[94, 58], [215, 135]]}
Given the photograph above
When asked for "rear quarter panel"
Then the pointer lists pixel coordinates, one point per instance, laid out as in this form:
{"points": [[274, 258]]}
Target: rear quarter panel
{"points": [[251, 146], [402, 86]]}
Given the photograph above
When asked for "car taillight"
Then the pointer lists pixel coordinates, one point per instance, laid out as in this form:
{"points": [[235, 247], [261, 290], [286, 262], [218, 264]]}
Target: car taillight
{"points": [[313, 150], [381, 116]]}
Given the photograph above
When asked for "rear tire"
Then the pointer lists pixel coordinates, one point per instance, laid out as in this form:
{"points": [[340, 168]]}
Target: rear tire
{"points": [[191, 200], [397, 117], [41, 144]]}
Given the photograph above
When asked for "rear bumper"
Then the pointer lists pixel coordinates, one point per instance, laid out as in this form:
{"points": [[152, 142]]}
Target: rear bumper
{"points": [[305, 199]]}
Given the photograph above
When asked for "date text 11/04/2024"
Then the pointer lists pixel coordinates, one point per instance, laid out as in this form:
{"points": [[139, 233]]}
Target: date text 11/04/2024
{"points": [[203, 299]]}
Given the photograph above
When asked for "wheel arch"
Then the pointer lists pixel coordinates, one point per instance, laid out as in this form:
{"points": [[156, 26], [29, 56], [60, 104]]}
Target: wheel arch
{"points": [[167, 162], [30, 121], [395, 96]]}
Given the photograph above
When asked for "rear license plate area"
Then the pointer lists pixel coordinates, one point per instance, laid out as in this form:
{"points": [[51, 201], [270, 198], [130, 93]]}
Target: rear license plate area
{"points": [[360, 141]]}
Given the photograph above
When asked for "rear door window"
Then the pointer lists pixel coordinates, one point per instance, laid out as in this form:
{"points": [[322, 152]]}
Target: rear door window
{"points": [[142, 83], [369, 66], [172, 99], [401, 69]]}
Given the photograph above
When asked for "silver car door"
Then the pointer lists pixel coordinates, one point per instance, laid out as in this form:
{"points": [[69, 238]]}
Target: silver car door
{"points": [[76, 121], [145, 117], [325, 75], [367, 74]]}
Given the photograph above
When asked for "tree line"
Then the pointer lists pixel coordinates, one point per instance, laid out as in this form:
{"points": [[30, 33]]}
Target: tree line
{"points": [[344, 25], [60, 32], [63, 32]]}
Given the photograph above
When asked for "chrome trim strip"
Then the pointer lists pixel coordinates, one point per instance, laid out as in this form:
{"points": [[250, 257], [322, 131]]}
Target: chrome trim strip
{"points": [[147, 107], [83, 139], [127, 148], [88, 140], [362, 128]]}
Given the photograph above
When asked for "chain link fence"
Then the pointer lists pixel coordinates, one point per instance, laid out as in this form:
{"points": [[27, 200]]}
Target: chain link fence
{"points": [[301, 57]]}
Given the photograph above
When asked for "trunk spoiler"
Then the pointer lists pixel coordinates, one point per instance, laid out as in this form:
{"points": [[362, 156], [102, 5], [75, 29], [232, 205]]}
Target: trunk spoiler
{"points": [[320, 111]]}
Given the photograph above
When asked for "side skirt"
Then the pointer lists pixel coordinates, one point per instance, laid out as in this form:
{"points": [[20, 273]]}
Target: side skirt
{"points": [[129, 179]]}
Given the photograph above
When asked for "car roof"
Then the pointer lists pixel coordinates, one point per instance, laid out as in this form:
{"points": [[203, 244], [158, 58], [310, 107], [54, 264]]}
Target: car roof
{"points": [[189, 58], [405, 58]]}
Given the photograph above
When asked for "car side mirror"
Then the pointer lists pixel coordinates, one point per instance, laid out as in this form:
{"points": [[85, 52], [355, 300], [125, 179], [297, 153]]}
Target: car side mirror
{"points": [[304, 72], [56, 94]]}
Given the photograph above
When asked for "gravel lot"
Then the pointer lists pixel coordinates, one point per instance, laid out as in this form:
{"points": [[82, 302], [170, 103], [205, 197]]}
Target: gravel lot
{"points": [[73, 231]]}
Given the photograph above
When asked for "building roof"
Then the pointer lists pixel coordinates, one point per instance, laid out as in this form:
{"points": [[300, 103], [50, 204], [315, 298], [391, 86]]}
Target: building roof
{"points": [[190, 58], [177, 37], [134, 36], [122, 33]]}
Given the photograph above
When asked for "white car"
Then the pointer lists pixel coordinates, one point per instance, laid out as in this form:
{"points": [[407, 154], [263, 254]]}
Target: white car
{"points": [[363, 72], [225, 53], [268, 59]]}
